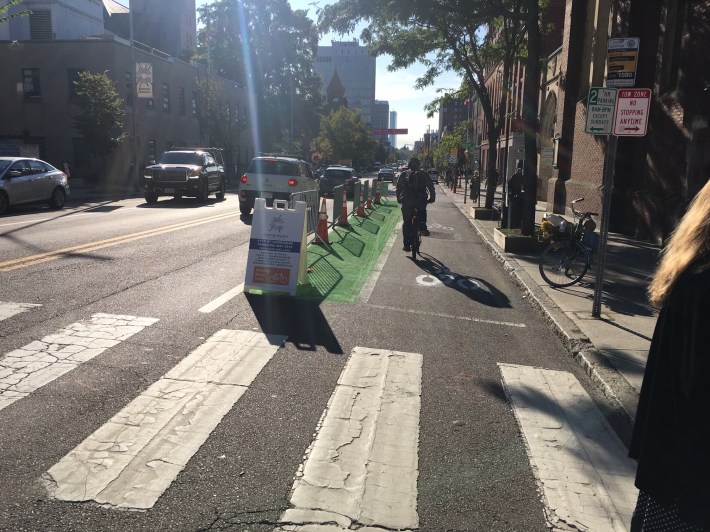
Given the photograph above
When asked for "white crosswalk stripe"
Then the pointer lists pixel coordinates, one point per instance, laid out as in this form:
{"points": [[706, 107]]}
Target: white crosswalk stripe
{"points": [[362, 467], [582, 466], [131, 460], [24, 370], [9, 308]]}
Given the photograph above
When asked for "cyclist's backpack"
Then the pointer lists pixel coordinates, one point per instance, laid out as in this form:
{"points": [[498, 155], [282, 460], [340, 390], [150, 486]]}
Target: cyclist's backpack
{"points": [[417, 181]]}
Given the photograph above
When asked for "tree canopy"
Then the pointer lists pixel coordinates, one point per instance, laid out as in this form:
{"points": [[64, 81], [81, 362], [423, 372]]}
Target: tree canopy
{"points": [[269, 50], [100, 119], [343, 135], [5, 8], [465, 36]]}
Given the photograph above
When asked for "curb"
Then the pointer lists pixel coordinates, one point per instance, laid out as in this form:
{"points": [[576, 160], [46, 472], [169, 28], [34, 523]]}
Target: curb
{"points": [[623, 396]]}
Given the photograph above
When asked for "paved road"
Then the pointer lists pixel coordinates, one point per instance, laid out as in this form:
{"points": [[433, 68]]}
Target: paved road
{"points": [[143, 390]]}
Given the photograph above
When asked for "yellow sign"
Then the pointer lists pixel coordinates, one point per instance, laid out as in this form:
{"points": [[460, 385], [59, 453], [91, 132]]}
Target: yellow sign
{"points": [[622, 56]]}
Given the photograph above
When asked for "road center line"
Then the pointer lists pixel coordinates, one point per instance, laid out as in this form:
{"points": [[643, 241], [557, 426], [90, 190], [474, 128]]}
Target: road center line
{"points": [[362, 467], [441, 315], [221, 300], [32, 260], [131, 460]]}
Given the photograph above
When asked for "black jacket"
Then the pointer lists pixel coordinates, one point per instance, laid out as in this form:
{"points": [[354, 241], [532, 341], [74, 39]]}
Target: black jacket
{"points": [[671, 437]]}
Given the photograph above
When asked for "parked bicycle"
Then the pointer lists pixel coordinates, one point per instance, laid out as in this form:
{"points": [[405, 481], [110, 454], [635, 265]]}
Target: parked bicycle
{"points": [[416, 235], [566, 260]]}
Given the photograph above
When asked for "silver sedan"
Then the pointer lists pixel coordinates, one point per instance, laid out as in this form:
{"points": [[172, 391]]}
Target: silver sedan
{"points": [[25, 180]]}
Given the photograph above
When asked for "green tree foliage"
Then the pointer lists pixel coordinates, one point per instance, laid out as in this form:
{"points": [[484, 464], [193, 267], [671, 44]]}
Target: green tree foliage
{"points": [[465, 36], [343, 135], [100, 119], [269, 50], [5, 8], [450, 140]]}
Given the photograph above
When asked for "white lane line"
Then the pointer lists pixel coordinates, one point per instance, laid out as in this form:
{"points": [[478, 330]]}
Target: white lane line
{"points": [[362, 467], [24, 370], [9, 308], [221, 300], [369, 286], [441, 315], [582, 466], [131, 460]]}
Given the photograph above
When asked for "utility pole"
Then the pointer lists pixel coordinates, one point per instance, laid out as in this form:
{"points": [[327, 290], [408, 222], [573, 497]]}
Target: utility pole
{"points": [[133, 166]]}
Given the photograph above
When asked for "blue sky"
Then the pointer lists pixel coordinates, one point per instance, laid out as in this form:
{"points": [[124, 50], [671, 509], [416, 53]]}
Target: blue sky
{"points": [[395, 87]]}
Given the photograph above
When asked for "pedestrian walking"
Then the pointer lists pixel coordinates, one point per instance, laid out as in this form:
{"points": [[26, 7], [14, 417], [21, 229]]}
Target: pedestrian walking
{"points": [[671, 436]]}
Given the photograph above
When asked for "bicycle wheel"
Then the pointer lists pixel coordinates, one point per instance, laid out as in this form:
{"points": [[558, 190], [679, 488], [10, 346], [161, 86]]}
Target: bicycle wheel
{"points": [[416, 241], [564, 263]]}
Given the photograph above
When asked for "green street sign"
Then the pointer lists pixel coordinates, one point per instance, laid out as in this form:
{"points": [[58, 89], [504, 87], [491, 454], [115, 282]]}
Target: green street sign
{"points": [[600, 110], [467, 145]]}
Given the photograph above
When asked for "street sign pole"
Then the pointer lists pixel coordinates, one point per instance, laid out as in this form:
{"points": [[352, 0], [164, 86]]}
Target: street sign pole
{"points": [[607, 189]]}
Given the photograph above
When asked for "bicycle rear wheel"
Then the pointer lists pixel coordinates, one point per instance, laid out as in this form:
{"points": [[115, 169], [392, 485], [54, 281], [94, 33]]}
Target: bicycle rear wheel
{"points": [[564, 263]]}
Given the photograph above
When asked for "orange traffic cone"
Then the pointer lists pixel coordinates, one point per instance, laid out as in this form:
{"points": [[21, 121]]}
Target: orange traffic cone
{"points": [[322, 231], [361, 207], [378, 198], [343, 220], [369, 200]]}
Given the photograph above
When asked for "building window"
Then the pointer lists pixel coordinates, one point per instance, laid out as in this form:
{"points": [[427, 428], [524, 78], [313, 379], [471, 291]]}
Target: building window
{"points": [[150, 103], [30, 84], [129, 88], [151, 151], [41, 25], [181, 101], [194, 104], [72, 78], [166, 97]]}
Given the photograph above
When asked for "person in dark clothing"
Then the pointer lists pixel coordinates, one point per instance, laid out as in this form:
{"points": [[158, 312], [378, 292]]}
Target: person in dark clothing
{"points": [[671, 436], [414, 190]]}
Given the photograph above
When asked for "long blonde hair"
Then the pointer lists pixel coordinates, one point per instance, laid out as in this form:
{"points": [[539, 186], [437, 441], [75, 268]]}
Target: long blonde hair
{"points": [[689, 243]]}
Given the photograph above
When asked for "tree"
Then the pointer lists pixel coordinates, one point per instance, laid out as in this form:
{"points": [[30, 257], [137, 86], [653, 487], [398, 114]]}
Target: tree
{"points": [[468, 37], [343, 135], [268, 49], [5, 7], [100, 119]]}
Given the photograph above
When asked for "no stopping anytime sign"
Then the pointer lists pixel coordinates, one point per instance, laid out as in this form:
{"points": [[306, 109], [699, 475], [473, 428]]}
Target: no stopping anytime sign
{"points": [[631, 116]]}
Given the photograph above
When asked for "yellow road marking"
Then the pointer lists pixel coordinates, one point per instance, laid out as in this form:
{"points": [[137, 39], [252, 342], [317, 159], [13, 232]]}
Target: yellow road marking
{"points": [[32, 260]]}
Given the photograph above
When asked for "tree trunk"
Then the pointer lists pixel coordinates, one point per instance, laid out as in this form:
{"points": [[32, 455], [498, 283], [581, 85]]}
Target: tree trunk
{"points": [[530, 111]]}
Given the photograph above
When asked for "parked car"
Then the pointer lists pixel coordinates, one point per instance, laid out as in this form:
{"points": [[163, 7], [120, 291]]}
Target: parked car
{"points": [[338, 175], [274, 177], [194, 172], [434, 175], [26, 180], [386, 174]]}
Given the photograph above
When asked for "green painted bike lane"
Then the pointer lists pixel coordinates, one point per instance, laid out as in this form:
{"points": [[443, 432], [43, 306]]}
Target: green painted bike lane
{"points": [[338, 272]]}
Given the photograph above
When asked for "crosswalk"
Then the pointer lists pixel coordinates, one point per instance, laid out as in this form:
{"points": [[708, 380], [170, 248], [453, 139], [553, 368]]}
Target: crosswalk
{"points": [[359, 472]]}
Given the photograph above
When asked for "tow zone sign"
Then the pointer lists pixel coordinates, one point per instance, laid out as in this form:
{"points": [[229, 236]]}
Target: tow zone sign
{"points": [[631, 116]]}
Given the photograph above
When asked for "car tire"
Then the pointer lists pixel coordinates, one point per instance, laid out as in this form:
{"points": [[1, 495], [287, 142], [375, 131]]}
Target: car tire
{"points": [[245, 208], [151, 199], [204, 192], [58, 198], [4, 203], [222, 189]]}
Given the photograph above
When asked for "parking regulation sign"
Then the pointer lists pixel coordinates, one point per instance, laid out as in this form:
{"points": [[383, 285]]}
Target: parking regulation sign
{"points": [[600, 110], [622, 56], [631, 117]]}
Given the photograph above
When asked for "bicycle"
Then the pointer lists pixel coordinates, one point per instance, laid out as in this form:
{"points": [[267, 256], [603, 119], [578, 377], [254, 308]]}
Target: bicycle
{"points": [[415, 235], [564, 262]]}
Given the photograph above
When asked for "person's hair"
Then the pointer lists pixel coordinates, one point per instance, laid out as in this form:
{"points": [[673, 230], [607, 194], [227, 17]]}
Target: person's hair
{"points": [[413, 163], [689, 246]]}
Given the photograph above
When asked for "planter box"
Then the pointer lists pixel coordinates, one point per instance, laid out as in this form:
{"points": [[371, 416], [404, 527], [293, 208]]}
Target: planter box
{"points": [[481, 213], [516, 243]]}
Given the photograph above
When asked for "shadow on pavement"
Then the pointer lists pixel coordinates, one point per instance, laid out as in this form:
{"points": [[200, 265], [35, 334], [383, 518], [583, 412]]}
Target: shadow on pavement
{"points": [[301, 320]]}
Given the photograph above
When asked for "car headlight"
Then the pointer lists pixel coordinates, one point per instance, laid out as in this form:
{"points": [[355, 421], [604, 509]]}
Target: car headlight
{"points": [[148, 175], [193, 174]]}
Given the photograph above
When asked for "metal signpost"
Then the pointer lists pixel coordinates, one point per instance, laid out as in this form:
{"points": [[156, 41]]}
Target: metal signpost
{"points": [[626, 116]]}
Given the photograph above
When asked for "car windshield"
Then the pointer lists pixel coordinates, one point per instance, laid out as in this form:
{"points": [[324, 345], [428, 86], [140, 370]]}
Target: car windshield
{"points": [[337, 174], [3, 165], [181, 158], [273, 167]]}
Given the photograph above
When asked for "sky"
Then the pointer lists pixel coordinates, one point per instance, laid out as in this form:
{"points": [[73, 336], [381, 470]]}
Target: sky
{"points": [[395, 87]]}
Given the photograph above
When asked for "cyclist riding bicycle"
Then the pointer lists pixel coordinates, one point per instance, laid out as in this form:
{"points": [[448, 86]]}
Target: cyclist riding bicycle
{"points": [[414, 190]]}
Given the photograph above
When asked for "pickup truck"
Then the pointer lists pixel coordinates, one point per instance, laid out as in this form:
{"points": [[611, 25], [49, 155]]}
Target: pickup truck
{"points": [[193, 172]]}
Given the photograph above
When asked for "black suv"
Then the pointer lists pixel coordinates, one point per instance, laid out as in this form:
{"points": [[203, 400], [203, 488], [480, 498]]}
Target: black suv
{"points": [[194, 172], [338, 175]]}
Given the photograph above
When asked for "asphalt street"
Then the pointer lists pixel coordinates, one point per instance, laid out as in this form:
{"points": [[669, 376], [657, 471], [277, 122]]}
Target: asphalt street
{"points": [[418, 405]]}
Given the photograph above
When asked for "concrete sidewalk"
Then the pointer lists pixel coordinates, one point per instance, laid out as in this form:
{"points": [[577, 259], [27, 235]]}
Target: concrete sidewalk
{"points": [[613, 348]]}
